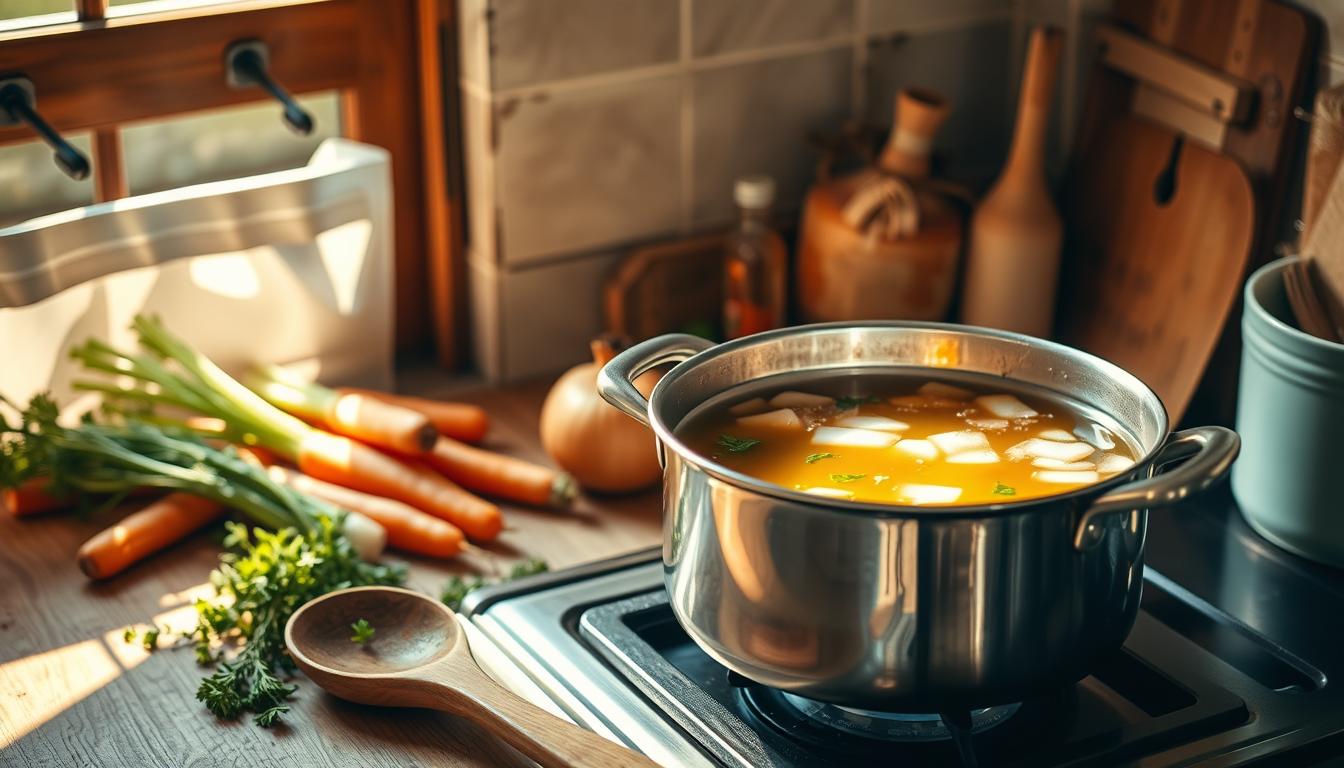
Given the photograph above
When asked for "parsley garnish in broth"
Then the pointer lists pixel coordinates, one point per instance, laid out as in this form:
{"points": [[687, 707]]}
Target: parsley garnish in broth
{"points": [[738, 444], [845, 477]]}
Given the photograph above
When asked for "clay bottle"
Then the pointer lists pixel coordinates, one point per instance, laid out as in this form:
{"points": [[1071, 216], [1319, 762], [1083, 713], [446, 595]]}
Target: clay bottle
{"points": [[1012, 266]]}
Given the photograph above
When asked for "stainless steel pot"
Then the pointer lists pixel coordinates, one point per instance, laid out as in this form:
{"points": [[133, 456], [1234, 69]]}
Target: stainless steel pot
{"points": [[906, 608]]}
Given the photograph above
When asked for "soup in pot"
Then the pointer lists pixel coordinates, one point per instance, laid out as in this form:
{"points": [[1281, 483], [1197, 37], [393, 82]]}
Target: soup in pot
{"points": [[901, 441]]}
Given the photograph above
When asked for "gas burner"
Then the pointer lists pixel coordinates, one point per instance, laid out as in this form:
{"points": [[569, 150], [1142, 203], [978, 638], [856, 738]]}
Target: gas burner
{"points": [[1190, 685], [876, 724]]}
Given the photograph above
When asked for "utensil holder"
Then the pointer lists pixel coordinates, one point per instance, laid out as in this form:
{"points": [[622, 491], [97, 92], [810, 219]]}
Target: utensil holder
{"points": [[1290, 414]]}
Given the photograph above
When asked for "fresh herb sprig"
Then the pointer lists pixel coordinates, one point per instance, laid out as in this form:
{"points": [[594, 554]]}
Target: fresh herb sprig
{"points": [[363, 632], [845, 477], [457, 588], [265, 577], [737, 444]]}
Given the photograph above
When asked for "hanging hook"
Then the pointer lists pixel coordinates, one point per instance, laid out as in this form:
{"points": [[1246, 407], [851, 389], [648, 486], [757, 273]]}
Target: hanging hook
{"points": [[246, 63], [18, 104]]}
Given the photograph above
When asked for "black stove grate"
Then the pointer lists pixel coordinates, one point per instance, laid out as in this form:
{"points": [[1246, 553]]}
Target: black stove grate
{"points": [[1131, 706]]}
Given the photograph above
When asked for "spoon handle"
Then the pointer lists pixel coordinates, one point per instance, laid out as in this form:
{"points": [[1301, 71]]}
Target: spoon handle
{"points": [[547, 739]]}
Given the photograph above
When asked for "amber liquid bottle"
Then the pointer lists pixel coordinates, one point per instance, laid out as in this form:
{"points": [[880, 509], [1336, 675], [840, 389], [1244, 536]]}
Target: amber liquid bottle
{"points": [[755, 265]]}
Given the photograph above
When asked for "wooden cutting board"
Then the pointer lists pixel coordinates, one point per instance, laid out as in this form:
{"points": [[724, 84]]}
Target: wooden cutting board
{"points": [[1152, 283], [1154, 286], [665, 288]]}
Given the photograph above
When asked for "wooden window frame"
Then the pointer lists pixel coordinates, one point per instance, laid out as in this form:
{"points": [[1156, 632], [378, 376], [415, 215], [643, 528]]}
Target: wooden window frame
{"points": [[385, 58]]}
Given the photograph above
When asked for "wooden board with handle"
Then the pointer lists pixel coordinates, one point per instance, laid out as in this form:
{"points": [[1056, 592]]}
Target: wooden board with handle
{"points": [[1153, 282], [1153, 285], [668, 287]]}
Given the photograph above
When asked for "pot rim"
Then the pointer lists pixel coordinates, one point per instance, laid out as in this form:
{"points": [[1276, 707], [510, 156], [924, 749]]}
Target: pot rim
{"points": [[868, 508]]}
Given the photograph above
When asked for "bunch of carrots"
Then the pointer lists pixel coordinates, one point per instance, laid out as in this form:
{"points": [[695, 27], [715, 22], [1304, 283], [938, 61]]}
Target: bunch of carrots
{"points": [[408, 464]]}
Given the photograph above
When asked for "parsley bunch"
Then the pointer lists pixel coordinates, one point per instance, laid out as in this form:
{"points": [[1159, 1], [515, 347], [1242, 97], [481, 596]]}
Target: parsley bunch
{"points": [[259, 586]]}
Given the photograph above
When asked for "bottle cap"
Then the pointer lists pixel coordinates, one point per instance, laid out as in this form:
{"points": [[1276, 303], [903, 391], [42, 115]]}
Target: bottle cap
{"points": [[756, 191]]}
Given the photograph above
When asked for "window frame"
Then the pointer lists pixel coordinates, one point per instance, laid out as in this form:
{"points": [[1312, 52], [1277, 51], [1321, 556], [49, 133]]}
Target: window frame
{"points": [[386, 58]]}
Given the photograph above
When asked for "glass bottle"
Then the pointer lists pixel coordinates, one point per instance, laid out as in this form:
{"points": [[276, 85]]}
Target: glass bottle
{"points": [[755, 264]]}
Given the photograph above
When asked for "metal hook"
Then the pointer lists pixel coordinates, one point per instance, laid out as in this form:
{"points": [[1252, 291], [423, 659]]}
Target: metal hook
{"points": [[246, 63], [18, 104]]}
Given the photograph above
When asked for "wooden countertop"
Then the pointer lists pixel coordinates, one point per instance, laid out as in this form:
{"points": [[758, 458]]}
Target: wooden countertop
{"points": [[72, 692]]}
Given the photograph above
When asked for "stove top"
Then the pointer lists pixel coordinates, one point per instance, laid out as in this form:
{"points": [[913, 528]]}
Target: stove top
{"points": [[1229, 664]]}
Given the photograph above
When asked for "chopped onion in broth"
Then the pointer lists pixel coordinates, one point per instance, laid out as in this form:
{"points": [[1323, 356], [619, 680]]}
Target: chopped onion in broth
{"points": [[893, 439]]}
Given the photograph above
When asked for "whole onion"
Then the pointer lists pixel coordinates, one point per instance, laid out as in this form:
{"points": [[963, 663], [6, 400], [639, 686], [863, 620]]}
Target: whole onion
{"points": [[604, 449]]}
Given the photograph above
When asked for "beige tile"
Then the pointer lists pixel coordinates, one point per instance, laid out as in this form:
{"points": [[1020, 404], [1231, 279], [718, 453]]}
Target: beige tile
{"points": [[473, 42], [478, 158], [719, 27], [540, 40], [484, 285], [550, 312], [897, 15], [582, 169], [755, 118], [967, 66]]}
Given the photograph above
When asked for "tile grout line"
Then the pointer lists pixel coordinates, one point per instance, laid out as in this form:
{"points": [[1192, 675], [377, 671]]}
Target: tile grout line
{"points": [[686, 94], [634, 74]]}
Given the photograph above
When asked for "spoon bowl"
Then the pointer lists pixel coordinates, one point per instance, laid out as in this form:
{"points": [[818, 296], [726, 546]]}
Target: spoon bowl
{"points": [[410, 631], [418, 656]]}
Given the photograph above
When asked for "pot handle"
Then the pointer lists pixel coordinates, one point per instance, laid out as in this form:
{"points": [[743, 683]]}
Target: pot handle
{"points": [[616, 380], [1207, 451]]}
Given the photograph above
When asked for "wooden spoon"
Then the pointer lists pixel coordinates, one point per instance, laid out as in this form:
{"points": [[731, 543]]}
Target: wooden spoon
{"points": [[419, 657], [1305, 300]]}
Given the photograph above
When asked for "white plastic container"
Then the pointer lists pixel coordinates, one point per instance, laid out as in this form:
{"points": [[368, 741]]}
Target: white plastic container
{"points": [[292, 267]]}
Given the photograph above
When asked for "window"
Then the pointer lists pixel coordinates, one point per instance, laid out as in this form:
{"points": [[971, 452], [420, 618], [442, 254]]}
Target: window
{"points": [[139, 86]]}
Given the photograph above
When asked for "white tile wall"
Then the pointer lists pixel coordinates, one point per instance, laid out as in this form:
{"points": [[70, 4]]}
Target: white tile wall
{"points": [[534, 41], [487, 331], [473, 38], [585, 168], [755, 118], [478, 146], [965, 65], [721, 27], [591, 125], [564, 299]]}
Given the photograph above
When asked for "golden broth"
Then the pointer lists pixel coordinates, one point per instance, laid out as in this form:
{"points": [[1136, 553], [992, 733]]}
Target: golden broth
{"points": [[903, 441]]}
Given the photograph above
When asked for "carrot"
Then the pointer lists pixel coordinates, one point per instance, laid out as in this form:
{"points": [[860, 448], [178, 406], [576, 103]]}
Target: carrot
{"points": [[460, 421], [407, 528], [32, 497], [142, 533], [379, 423], [353, 414], [507, 477], [354, 465]]}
